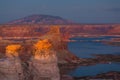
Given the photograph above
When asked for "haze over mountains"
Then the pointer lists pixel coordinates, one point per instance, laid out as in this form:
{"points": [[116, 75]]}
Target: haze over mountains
{"points": [[41, 19]]}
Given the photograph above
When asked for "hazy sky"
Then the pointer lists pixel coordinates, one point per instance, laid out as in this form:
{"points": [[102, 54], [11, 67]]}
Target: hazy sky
{"points": [[82, 11]]}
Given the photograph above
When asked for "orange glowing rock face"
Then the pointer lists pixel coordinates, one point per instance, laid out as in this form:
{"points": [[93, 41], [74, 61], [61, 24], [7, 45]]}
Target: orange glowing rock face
{"points": [[42, 48], [43, 45], [12, 50]]}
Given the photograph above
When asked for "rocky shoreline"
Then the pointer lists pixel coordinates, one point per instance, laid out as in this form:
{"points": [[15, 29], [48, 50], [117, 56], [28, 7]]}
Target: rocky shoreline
{"points": [[103, 76], [98, 58]]}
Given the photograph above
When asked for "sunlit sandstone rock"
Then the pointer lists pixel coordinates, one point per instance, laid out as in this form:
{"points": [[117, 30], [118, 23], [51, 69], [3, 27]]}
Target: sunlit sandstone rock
{"points": [[44, 62], [10, 67], [43, 45], [12, 50]]}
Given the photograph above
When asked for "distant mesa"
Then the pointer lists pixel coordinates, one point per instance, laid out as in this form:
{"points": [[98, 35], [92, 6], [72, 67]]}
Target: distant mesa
{"points": [[41, 19]]}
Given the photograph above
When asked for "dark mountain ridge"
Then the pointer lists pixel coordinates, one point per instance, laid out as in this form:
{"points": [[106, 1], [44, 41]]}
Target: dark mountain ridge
{"points": [[41, 19]]}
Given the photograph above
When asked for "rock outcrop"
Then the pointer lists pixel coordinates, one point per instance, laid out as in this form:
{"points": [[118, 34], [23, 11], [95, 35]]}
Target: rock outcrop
{"points": [[12, 51], [59, 45], [10, 67], [44, 62]]}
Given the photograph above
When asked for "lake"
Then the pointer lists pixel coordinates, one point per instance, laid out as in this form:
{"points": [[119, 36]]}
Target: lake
{"points": [[85, 47], [94, 69]]}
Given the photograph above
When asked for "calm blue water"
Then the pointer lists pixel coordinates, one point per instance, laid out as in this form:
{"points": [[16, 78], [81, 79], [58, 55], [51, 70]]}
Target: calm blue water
{"points": [[94, 69], [84, 47]]}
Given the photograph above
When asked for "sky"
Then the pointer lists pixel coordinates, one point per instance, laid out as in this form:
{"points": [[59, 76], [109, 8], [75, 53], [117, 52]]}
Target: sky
{"points": [[81, 11]]}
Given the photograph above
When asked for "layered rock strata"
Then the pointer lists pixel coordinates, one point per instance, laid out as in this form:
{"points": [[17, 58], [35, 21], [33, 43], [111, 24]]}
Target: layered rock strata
{"points": [[10, 67], [44, 62]]}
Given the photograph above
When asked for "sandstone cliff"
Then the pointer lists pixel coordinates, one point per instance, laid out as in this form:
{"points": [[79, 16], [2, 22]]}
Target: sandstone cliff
{"points": [[36, 30], [60, 46], [10, 67], [44, 63], [115, 30]]}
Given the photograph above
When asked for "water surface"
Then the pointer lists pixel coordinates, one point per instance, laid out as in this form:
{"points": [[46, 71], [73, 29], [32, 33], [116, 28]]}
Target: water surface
{"points": [[85, 47], [94, 69]]}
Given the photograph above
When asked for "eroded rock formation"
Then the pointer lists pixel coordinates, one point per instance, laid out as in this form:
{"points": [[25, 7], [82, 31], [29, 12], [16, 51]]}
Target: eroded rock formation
{"points": [[44, 62], [12, 50], [59, 45], [10, 67]]}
